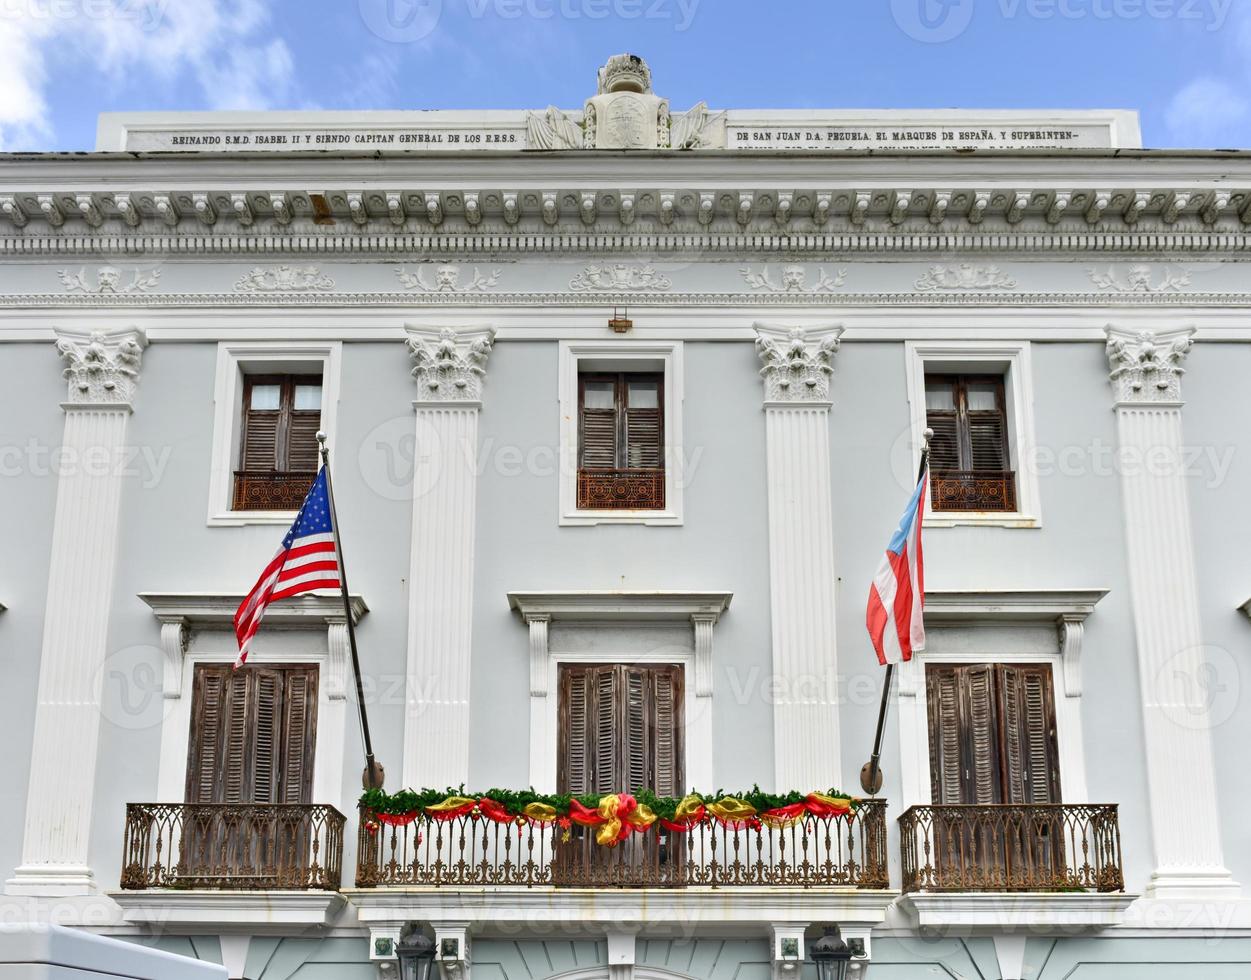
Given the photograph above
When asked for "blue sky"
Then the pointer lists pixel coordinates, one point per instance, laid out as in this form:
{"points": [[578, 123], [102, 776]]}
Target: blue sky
{"points": [[1185, 64]]}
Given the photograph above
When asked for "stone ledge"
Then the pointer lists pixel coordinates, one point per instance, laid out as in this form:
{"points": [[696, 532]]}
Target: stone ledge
{"points": [[1010, 910], [257, 910]]}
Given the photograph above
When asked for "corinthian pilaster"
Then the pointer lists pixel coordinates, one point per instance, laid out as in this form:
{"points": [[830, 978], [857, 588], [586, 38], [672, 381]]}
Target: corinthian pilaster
{"points": [[797, 364], [450, 370], [1146, 371], [102, 371]]}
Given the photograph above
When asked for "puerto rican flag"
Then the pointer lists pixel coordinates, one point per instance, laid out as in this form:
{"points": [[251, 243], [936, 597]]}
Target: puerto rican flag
{"points": [[897, 596], [305, 562]]}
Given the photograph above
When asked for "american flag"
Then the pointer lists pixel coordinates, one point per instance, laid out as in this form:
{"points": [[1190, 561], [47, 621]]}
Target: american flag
{"points": [[897, 595], [305, 562]]}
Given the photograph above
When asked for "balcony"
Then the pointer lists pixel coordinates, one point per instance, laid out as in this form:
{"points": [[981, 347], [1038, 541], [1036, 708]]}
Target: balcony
{"points": [[621, 489], [969, 490], [231, 863], [847, 851], [271, 491], [1003, 864]]}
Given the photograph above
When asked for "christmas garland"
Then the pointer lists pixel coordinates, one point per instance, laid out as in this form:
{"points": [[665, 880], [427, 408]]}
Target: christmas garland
{"points": [[614, 816]]}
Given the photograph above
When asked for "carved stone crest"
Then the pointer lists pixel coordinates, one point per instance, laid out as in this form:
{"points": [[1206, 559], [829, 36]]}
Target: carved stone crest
{"points": [[625, 114], [284, 279], [794, 280], [1147, 367], [447, 280], [108, 279]]}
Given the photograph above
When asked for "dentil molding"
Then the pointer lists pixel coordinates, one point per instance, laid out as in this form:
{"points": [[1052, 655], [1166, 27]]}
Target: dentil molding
{"points": [[102, 368], [450, 364], [1146, 367], [797, 361]]}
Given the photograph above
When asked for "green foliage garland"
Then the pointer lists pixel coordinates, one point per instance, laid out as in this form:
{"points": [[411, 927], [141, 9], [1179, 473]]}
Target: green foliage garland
{"points": [[409, 801]]}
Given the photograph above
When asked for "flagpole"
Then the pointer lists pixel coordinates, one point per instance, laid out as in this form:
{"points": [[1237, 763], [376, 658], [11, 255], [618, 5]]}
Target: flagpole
{"points": [[374, 773], [871, 772]]}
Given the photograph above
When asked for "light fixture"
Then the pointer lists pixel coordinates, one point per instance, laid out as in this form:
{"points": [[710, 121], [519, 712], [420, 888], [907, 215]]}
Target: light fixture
{"points": [[620, 321], [831, 955], [415, 953]]}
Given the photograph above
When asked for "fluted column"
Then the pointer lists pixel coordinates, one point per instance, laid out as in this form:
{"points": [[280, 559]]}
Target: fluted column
{"points": [[450, 369], [102, 371], [796, 372], [1146, 372]]}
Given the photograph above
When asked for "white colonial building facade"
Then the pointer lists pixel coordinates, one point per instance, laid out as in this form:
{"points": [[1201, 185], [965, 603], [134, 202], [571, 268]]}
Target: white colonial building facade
{"points": [[623, 404]]}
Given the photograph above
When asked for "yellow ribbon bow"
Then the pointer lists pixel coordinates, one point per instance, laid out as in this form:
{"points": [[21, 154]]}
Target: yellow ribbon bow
{"points": [[610, 832], [451, 803], [540, 812], [730, 809]]}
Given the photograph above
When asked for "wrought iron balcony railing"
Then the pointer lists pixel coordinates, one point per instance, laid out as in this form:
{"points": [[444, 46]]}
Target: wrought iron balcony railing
{"points": [[621, 489], [847, 850], [1008, 848], [238, 847], [969, 490], [271, 491]]}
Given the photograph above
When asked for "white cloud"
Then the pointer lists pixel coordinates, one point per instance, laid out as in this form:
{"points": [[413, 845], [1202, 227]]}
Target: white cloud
{"points": [[1206, 112], [225, 47]]}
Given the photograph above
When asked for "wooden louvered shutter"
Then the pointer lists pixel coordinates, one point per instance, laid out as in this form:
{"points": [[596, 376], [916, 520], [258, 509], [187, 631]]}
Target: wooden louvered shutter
{"points": [[941, 415], [253, 734], [943, 686], [620, 729], [598, 421], [982, 780], [303, 455], [1031, 755], [210, 711], [667, 778], [986, 425], [636, 741], [299, 742], [266, 742], [643, 399], [588, 729], [260, 451]]}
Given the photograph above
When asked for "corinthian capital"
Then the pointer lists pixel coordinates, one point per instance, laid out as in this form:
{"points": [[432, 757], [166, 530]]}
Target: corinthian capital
{"points": [[450, 364], [102, 368], [1146, 367], [797, 361]]}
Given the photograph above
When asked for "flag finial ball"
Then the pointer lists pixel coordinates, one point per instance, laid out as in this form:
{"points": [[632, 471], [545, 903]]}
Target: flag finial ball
{"points": [[927, 435], [321, 436]]}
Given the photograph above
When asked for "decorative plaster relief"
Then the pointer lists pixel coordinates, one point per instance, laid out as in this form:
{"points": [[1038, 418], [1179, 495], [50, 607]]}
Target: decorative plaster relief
{"points": [[619, 277], [794, 280], [1140, 279], [447, 280], [284, 279], [108, 279], [965, 277]]}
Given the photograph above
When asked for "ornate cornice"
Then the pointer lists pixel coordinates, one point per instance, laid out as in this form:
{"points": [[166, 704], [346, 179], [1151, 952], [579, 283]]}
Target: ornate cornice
{"points": [[450, 364], [1146, 367], [797, 362], [752, 242], [102, 368], [703, 298]]}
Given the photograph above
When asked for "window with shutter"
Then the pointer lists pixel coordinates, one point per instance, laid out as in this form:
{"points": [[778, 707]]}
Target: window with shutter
{"points": [[620, 729], [253, 734], [621, 442], [969, 456], [278, 451], [992, 734]]}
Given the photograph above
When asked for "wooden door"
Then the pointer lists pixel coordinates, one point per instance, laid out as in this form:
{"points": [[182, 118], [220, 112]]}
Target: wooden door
{"points": [[620, 732], [252, 741], [992, 735]]}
